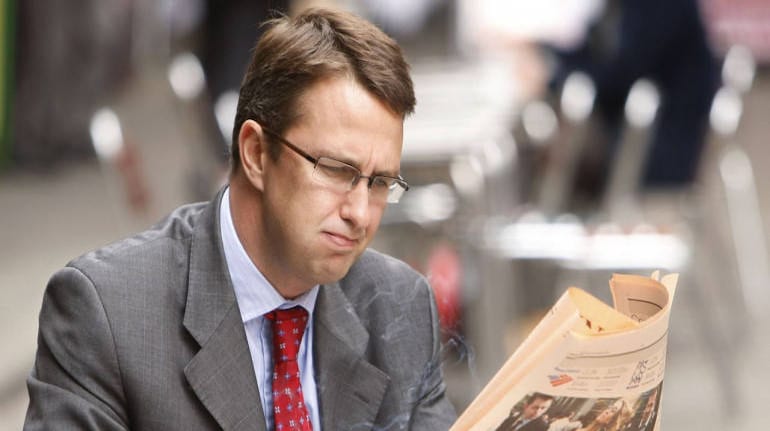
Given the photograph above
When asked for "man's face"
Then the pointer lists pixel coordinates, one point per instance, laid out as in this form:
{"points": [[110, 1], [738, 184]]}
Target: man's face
{"points": [[609, 413], [314, 233], [536, 408], [650, 406]]}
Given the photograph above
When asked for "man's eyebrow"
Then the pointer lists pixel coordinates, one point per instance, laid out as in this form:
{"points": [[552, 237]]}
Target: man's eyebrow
{"points": [[386, 173], [351, 162], [345, 160]]}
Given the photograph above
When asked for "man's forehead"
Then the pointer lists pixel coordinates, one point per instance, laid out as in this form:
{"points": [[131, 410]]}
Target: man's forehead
{"points": [[337, 91]]}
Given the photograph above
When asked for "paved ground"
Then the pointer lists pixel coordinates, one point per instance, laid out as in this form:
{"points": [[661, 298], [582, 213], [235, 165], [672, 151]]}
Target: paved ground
{"points": [[46, 219]]}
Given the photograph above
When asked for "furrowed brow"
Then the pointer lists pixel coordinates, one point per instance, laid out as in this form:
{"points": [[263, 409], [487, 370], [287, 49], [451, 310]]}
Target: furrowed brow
{"points": [[353, 163]]}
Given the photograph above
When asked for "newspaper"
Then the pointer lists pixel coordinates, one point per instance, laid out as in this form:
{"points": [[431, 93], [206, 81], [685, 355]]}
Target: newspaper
{"points": [[586, 366]]}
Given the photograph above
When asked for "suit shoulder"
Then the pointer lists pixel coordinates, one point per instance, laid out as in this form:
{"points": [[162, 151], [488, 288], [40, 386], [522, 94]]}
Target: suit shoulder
{"points": [[384, 272], [152, 260], [379, 283], [177, 227], [373, 262]]}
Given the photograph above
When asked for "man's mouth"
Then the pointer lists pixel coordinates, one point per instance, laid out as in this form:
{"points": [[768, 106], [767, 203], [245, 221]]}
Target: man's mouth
{"points": [[341, 240]]}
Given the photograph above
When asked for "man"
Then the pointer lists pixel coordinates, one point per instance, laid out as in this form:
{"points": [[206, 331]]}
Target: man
{"points": [[184, 326], [530, 417], [644, 420]]}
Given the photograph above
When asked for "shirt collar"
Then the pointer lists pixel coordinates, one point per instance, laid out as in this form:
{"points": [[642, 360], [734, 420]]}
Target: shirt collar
{"points": [[255, 295]]}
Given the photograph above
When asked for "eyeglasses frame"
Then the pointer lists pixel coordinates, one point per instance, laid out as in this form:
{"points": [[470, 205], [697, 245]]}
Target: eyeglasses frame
{"points": [[314, 161]]}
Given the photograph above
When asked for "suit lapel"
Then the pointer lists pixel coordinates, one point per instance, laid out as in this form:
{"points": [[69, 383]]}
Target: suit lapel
{"points": [[221, 374], [350, 388]]}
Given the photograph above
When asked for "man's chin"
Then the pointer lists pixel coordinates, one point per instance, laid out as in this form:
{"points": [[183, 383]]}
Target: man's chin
{"points": [[335, 269]]}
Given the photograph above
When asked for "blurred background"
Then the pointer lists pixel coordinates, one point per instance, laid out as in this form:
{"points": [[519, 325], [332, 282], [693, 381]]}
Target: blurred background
{"points": [[554, 143]]}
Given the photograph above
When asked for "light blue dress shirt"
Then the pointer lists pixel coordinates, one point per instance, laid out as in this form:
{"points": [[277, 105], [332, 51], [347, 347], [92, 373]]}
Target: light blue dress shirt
{"points": [[256, 296]]}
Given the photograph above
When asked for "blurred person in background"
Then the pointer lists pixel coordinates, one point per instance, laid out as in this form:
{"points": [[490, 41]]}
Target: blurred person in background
{"points": [[69, 61], [185, 326], [226, 38], [664, 41]]}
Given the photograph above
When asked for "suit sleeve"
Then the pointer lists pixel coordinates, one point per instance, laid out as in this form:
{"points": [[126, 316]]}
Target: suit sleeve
{"points": [[75, 382], [433, 410]]}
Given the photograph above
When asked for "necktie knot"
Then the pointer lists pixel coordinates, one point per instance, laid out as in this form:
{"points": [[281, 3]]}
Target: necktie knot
{"points": [[288, 327]]}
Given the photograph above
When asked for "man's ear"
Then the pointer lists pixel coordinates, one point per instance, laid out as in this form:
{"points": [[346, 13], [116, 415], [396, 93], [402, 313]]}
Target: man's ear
{"points": [[253, 151]]}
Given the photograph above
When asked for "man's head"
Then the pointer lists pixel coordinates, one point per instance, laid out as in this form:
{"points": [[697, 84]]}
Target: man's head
{"points": [[293, 54], [536, 406], [649, 406], [318, 141]]}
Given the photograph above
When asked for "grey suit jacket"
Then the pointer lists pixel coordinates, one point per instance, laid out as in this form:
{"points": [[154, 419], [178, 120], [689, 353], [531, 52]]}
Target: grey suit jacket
{"points": [[146, 334]]}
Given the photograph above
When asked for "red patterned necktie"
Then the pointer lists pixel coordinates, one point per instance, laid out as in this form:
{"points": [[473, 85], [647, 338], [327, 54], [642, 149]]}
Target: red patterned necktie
{"points": [[289, 411]]}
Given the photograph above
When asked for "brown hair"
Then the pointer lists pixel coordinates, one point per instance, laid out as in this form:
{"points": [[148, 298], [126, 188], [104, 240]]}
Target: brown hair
{"points": [[538, 395], [294, 53], [617, 421]]}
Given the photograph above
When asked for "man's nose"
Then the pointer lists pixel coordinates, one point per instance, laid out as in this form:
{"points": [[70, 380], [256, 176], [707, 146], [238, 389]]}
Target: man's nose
{"points": [[356, 206]]}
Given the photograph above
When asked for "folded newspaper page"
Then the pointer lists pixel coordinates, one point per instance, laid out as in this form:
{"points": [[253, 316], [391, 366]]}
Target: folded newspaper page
{"points": [[586, 366]]}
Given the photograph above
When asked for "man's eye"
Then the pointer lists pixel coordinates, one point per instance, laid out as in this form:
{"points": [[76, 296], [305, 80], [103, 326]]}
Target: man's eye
{"points": [[337, 172], [382, 183]]}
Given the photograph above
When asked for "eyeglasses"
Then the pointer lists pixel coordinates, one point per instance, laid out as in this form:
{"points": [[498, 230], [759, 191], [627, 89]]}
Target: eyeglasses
{"points": [[342, 177]]}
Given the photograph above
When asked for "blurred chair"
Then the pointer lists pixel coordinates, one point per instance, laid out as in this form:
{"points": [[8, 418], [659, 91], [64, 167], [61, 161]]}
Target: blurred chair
{"points": [[626, 172], [739, 186], [564, 154]]}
